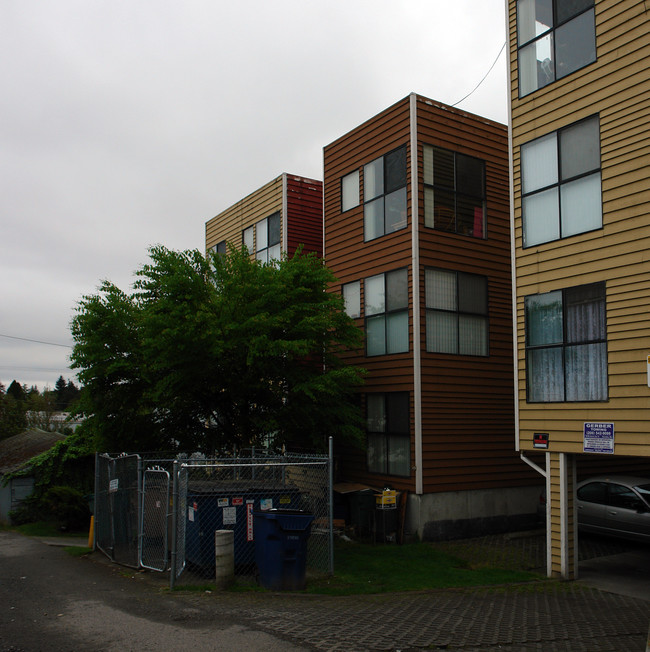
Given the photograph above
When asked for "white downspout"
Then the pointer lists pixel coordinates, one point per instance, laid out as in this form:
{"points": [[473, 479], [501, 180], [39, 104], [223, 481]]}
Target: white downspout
{"points": [[415, 271]]}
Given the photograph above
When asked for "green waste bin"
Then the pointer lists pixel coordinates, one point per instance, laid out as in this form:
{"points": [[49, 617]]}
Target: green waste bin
{"points": [[281, 537]]}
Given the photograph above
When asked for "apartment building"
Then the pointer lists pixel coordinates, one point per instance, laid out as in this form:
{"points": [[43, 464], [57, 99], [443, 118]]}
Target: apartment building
{"points": [[580, 165], [416, 230], [277, 218]]}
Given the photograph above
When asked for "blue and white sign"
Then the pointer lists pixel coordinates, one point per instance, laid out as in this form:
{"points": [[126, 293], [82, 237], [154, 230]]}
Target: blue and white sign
{"points": [[598, 438]]}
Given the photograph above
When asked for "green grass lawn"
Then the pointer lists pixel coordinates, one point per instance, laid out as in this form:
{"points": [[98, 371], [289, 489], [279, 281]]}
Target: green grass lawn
{"points": [[365, 568]]}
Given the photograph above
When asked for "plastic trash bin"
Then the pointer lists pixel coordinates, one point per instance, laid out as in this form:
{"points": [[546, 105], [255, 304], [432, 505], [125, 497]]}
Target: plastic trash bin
{"points": [[281, 547]]}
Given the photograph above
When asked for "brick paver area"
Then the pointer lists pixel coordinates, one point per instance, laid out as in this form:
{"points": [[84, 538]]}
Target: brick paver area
{"points": [[549, 616]]}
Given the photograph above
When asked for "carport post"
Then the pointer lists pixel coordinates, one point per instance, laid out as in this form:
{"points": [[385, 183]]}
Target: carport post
{"points": [[172, 573]]}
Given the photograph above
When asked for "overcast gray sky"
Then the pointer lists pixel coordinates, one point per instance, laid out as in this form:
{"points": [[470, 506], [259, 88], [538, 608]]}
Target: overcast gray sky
{"points": [[129, 123]]}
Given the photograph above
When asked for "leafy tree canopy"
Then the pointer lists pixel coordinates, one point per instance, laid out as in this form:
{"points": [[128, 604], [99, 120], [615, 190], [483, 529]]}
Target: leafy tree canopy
{"points": [[209, 353]]}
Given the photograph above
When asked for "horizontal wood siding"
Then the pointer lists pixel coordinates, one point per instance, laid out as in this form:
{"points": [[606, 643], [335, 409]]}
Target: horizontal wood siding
{"points": [[304, 215], [230, 223], [351, 259], [617, 88], [468, 401]]}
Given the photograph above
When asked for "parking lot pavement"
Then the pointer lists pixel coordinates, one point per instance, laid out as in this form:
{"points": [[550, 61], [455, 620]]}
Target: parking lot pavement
{"points": [[545, 615]]}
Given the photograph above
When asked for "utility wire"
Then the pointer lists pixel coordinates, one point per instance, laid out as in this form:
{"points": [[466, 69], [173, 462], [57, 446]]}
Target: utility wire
{"points": [[26, 339], [484, 78]]}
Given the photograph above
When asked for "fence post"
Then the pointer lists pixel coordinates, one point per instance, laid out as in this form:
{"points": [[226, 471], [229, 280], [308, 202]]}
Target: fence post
{"points": [[172, 574], [95, 500], [331, 503]]}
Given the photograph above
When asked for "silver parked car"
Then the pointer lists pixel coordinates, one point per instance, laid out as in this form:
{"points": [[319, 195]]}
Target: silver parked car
{"points": [[616, 505]]}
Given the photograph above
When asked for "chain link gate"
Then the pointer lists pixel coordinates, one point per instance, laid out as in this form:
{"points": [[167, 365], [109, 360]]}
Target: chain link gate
{"points": [[139, 522], [117, 507], [155, 519]]}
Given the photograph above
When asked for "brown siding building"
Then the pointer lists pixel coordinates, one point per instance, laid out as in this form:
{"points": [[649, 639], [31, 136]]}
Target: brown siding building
{"points": [[580, 133], [277, 218], [416, 229]]}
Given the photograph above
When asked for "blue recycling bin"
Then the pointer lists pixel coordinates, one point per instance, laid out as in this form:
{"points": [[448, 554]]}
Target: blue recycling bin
{"points": [[281, 547]]}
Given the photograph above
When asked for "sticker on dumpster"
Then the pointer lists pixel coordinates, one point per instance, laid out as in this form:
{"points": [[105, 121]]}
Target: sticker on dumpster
{"points": [[190, 514], [113, 485], [266, 503], [285, 500], [223, 502], [229, 515], [237, 501], [249, 520]]}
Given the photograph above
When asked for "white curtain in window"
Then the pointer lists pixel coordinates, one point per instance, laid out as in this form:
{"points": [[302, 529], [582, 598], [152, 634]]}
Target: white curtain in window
{"points": [[377, 453], [262, 231], [427, 164], [352, 298], [586, 372], [472, 335], [442, 332], [440, 289], [376, 335], [350, 191], [429, 215], [541, 214], [373, 179], [274, 252], [581, 205], [399, 455], [249, 239], [375, 296], [373, 219], [545, 375], [397, 332], [376, 413], [539, 163]]}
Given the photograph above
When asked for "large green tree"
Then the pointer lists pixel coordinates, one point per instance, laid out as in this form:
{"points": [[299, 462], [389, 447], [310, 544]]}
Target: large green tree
{"points": [[209, 353]]}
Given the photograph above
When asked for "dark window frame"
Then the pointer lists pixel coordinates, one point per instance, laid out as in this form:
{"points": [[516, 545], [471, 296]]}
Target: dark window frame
{"points": [[560, 181], [386, 312], [389, 189], [556, 25], [458, 312], [458, 194], [402, 433], [565, 345]]}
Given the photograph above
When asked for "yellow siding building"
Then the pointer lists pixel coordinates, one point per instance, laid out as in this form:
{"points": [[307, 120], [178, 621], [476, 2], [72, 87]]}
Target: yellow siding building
{"points": [[580, 211]]}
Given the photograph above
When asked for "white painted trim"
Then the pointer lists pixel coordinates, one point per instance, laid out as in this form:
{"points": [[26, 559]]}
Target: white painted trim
{"points": [[549, 538], [564, 518], [574, 481], [415, 321], [532, 465], [513, 269], [284, 213]]}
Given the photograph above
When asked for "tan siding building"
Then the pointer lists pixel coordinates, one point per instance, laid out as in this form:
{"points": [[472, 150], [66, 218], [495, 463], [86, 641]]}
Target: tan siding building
{"points": [[282, 215], [416, 230], [580, 130]]}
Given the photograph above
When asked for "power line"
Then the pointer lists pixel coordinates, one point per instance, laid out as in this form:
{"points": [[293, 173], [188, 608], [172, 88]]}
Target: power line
{"points": [[484, 78], [26, 339]]}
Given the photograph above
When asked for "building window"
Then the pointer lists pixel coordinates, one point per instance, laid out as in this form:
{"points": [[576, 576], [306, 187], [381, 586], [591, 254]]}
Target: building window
{"points": [[220, 248], [384, 195], [386, 311], [263, 238], [554, 39], [560, 178], [566, 347], [267, 239], [248, 238], [352, 298], [389, 442], [457, 312], [454, 192], [350, 191]]}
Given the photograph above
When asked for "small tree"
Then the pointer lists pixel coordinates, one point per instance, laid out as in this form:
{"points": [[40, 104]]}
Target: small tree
{"points": [[210, 353]]}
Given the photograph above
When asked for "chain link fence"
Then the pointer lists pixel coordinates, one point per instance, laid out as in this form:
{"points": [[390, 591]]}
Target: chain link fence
{"points": [[162, 514]]}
